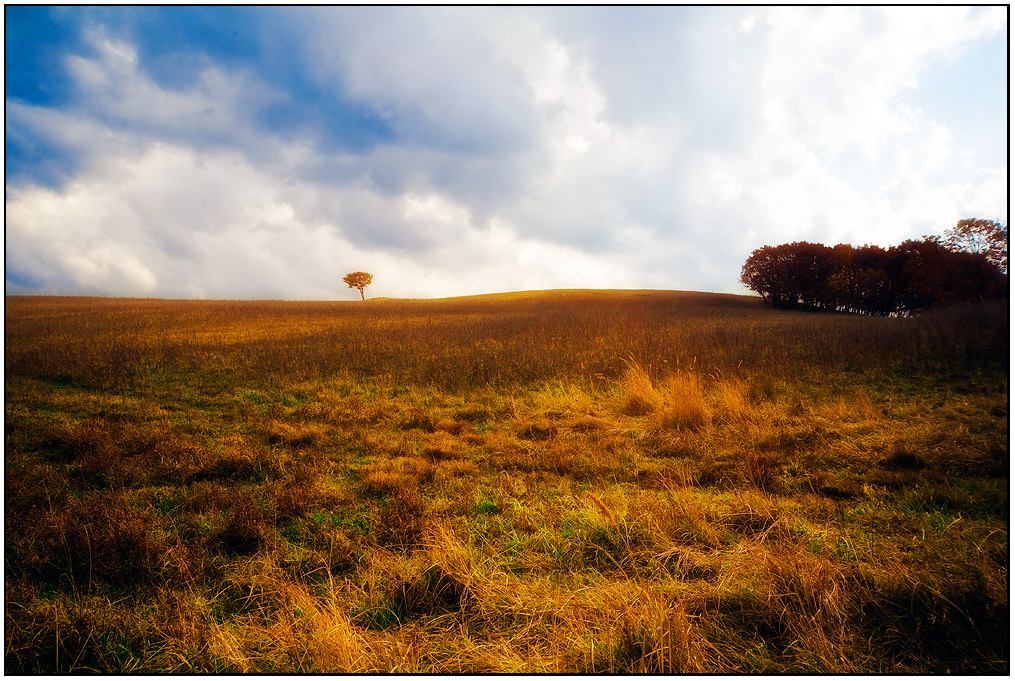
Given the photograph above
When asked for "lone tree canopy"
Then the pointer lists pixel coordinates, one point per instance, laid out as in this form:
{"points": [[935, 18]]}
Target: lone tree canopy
{"points": [[358, 280]]}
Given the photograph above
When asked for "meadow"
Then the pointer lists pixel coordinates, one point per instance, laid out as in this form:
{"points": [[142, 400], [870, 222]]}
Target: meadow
{"points": [[559, 481]]}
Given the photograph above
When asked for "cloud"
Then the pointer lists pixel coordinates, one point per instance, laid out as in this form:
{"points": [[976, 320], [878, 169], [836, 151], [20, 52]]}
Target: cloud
{"points": [[462, 150], [166, 220], [435, 75], [228, 229], [116, 92], [847, 89]]}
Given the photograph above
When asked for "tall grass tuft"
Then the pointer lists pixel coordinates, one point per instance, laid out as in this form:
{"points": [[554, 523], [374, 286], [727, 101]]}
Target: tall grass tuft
{"points": [[684, 406], [640, 395]]}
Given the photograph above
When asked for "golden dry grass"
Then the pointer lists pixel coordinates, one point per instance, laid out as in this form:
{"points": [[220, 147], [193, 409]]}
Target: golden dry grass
{"points": [[573, 481]]}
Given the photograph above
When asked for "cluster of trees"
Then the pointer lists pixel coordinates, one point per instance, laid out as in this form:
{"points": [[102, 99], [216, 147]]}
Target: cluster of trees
{"points": [[970, 263]]}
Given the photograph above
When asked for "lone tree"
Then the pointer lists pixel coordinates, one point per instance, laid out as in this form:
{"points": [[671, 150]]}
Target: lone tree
{"points": [[358, 280]]}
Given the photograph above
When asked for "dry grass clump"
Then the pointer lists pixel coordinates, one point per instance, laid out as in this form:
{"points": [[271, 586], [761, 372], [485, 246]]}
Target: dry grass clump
{"points": [[731, 402], [421, 417], [387, 476], [245, 530], [440, 578], [443, 446], [404, 518], [91, 541], [90, 443], [774, 609], [685, 518], [285, 626], [453, 426], [684, 406], [857, 407], [116, 452], [761, 469], [296, 495], [639, 393], [276, 623], [318, 636], [755, 514], [586, 424], [432, 592], [655, 636], [811, 591], [506, 451], [537, 429], [762, 388], [296, 436], [683, 401]]}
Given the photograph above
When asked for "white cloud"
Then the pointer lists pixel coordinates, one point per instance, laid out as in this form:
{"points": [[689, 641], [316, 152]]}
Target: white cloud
{"points": [[832, 76], [532, 149], [229, 229], [112, 89], [434, 74]]}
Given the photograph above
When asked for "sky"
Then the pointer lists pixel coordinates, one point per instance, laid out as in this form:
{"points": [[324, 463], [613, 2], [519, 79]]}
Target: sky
{"points": [[265, 152]]}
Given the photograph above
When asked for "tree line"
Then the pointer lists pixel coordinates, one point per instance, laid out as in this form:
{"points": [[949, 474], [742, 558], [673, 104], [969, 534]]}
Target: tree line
{"points": [[970, 263]]}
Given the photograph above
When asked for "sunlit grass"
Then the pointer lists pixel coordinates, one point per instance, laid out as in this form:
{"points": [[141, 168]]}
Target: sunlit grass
{"points": [[575, 481]]}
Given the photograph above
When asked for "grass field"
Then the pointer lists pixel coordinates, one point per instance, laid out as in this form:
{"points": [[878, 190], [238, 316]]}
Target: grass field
{"points": [[561, 481]]}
